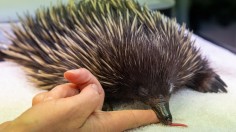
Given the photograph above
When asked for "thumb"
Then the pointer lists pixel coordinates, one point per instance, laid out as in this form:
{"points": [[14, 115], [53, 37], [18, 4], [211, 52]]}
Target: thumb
{"points": [[82, 78], [84, 103]]}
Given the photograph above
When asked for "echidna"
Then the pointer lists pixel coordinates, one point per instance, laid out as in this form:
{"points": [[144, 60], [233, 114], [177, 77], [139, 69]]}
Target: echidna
{"points": [[135, 53]]}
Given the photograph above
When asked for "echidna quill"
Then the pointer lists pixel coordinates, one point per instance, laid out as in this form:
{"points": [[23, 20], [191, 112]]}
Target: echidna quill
{"points": [[135, 53]]}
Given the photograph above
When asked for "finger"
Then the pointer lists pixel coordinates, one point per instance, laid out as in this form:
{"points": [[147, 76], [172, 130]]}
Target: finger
{"points": [[127, 119], [38, 98], [84, 103], [60, 91], [82, 77]]}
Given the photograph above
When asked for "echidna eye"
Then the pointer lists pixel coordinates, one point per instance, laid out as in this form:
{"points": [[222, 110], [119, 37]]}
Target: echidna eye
{"points": [[161, 97], [171, 88]]}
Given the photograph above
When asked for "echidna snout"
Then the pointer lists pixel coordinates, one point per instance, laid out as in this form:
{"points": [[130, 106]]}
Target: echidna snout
{"points": [[161, 108], [157, 96], [163, 112]]}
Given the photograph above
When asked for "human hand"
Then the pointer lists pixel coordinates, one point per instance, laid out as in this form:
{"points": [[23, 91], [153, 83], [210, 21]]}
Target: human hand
{"points": [[64, 108]]}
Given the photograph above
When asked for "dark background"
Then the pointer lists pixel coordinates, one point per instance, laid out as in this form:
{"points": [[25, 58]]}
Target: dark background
{"points": [[214, 20]]}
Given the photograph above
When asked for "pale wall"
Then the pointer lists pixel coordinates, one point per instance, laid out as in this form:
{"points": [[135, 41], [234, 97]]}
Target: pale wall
{"points": [[10, 8]]}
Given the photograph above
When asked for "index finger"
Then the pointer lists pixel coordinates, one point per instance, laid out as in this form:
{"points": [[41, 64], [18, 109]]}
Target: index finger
{"points": [[60, 91], [127, 119], [117, 121]]}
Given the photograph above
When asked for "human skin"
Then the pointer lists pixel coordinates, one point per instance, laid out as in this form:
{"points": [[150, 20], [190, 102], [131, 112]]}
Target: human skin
{"points": [[76, 106]]}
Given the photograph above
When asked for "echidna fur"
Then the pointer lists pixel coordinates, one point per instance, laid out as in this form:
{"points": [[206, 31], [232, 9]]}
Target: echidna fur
{"points": [[135, 53]]}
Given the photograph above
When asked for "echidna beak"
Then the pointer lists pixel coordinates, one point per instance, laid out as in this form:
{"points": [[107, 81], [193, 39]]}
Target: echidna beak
{"points": [[163, 112]]}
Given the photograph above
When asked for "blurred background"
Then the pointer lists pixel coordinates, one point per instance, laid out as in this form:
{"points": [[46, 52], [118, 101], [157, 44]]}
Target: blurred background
{"points": [[214, 20]]}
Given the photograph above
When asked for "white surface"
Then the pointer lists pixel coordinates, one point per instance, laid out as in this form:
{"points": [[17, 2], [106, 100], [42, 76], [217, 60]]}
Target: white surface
{"points": [[203, 112]]}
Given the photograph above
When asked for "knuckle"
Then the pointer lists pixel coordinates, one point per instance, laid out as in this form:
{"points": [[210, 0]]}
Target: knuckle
{"points": [[93, 93], [58, 87], [38, 98], [134, 119], [63, 87]]}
